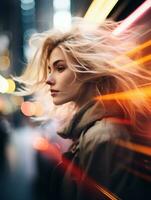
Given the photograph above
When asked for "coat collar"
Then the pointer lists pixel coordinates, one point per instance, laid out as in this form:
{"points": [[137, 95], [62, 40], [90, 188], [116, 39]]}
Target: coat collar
{"points": [[86, 116]]}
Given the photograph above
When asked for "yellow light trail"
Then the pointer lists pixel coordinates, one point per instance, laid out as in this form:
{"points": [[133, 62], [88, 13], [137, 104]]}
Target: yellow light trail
{"points": [[99, 10], [107, 194], [95, 6]]}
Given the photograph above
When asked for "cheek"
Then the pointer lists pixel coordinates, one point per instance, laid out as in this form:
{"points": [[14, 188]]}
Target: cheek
{"points": [[68, 79], [75, 89]]}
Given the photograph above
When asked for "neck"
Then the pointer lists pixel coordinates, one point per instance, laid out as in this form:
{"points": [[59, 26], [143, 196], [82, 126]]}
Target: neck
{"points": [[87, 93]]}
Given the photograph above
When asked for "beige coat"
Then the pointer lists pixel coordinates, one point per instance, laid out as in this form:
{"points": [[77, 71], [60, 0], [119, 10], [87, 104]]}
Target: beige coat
{"points": [[96, 167]]}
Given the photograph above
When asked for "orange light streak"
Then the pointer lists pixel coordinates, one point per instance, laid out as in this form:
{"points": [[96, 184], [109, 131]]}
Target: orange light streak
{"points": [[139, 47], [134, 147], [139, 61], [136, 93], [133, 63], [133, 51]]}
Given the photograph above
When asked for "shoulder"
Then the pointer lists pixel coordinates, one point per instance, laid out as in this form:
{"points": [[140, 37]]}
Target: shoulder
{"points": [[105, 130]]}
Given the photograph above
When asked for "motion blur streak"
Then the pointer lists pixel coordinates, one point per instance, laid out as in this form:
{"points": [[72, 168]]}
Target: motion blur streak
{"points": [[52, 151], [47, 148], [133, 17], [137, 173], [139, 61], [139, 47], [99, 10], [136, 49], [135, 147], [136, 94], [41, 144]]}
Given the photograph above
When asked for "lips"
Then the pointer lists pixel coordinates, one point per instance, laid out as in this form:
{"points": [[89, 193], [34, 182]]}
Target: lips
{"points": [[54, 92]]}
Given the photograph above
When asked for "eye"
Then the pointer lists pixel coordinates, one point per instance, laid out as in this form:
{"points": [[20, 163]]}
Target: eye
{"points": [[60, 68]]}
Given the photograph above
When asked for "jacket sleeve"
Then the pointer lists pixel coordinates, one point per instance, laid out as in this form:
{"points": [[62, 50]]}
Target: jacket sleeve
{"points": [[102, 160]]}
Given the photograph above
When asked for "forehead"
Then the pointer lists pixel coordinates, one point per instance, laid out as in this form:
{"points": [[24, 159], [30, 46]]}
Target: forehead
{"points": [[56, 54]]}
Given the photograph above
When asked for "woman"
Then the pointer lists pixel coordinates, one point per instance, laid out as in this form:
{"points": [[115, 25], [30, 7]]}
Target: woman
{"points": [[75, 70]]}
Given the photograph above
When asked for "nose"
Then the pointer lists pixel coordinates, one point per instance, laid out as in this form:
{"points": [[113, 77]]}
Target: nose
{"points": [[50, 80]]}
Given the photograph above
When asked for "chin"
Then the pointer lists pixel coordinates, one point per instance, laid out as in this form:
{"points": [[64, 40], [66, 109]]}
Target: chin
{"points": [[58, 102], [61, 102]]}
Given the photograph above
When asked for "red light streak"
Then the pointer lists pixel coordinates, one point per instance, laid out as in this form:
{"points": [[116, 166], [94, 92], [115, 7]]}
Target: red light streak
{"points": [[51, 151]]}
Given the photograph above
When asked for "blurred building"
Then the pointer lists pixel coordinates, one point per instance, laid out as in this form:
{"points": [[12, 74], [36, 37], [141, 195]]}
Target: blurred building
{"points": [[21, 18]]}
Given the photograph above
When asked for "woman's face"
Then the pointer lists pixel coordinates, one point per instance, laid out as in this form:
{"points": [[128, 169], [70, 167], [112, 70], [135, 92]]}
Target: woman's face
{"points": [[63, 85]]}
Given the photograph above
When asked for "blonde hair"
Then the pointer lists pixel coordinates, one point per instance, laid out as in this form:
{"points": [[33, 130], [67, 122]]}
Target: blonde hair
{"points": [[98, 56]]}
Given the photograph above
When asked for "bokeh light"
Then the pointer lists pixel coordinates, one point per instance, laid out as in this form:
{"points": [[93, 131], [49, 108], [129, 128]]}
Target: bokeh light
{"points": [[3, 84], [11, 86], [28, 108], [4, 62]]}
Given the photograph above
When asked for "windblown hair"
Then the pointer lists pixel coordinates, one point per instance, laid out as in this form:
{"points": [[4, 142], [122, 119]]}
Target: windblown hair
{"points": [[95, 55]]}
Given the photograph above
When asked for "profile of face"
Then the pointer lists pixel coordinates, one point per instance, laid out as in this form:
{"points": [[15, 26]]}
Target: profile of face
{"points": [[64, 87]]}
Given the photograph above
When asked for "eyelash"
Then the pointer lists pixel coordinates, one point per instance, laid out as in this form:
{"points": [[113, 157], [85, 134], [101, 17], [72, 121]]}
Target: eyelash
{"points": [[59, 68]]}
